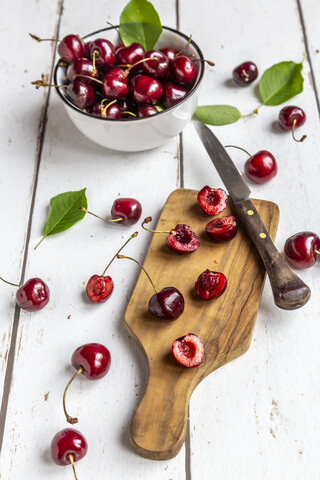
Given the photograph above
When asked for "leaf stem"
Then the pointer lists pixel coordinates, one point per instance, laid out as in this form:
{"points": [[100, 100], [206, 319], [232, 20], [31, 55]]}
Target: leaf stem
{"points": [[145, 271], [9, 283], [40, 241], [132, 236], [70, 419]]}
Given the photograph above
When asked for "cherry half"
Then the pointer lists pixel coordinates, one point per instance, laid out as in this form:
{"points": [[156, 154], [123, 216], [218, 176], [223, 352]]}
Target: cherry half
{"points": [[290, 118], [222, 229], [210, 284], [125, 211], [301, 249], [167, 303], [212, 200], [188, 350], [245, 73], [33, 295], [92, 360], [100, 287], [67, 447], [181, 239]]}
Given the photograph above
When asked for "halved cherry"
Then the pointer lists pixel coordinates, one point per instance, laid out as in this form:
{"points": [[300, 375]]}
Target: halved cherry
{"points": [[210, 284], [188, 350], [212, 200], [222, 229], [180, 239]]}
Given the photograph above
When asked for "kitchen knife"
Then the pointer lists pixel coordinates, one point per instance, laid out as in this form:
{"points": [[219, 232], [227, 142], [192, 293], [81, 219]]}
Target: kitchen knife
{"points": [[289, 291]]}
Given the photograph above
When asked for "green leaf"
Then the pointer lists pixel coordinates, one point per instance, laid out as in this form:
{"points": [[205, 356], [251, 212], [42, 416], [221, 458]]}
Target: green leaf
{"points": [[280, 83], [64, 212], [139, 22], [217, 114]]}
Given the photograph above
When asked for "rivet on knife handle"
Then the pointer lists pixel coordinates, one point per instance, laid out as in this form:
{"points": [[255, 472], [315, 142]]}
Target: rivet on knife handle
{"points": [[289, 291]]}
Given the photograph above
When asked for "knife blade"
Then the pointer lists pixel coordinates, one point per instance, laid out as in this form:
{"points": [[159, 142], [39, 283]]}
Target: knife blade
{"points": [[289, 291]]}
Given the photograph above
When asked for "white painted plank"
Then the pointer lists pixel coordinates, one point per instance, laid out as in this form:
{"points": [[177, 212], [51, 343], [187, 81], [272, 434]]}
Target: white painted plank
{"points": [[257, 417]]}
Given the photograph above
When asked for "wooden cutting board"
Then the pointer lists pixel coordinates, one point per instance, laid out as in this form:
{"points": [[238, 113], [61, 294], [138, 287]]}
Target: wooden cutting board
{"points": [[225, 324]]}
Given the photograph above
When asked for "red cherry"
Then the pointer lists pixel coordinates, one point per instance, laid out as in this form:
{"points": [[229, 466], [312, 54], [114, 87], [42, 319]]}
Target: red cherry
{"points": [[33, 295], [212, 200], [290, 118], [245, 73], [70, 48], [106, 111], [87, 46], [94, 358], [127, 209], [158, 67], [104, 54], [181, 239], [261, 167], [169, 52], [99, 288], [83, 68], [81, 94], [168, 303], [131, 54], [183, 70], [173, 94], [146, 111], [145, 90], [67, 447], [115, 84], [222, 229], [301, 249], [188, 350], [210, 284]]}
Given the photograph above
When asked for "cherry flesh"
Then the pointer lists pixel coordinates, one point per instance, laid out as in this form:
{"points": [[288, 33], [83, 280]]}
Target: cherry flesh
{"points": [[145, 90], [210, 284], [182, 239], [301, 249], [188, 350], [33, 295], [183, 70], [158, 67], [70, 48], [173, 94], [67, 447], [81, 94], [290, 118], [222, 229], [131, 54], [103, 52], [168, 303], [82, 68], [261, 167], [245, 73], [99, 288], [212, 200]]}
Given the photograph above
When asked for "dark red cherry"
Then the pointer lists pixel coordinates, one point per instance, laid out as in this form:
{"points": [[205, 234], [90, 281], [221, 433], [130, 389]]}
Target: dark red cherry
{"points": [[183, 70], [104, 111], [82, 66], [158, 66], [87, 46], [261, 167], [169, 52], [301, 249], [146, 111], [182, 239], [173, 94], [145, 90], [115, 84], [33, 295], [222, 229], [129, 209], [168, 303], [188, 350], [131, 54], [99, 288], [70, 48], [291, 118], [245, 73], [210, 284], [94, 358], [212, 200], [81, 94], [68, 443], [104, 53]]}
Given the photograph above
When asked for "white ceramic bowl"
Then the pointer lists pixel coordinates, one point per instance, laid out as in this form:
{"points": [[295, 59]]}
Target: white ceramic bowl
{"points": [[136, 134]]}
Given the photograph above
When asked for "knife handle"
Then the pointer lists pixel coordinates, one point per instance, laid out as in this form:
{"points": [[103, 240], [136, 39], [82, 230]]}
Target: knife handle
{"points": [[289, 291]]}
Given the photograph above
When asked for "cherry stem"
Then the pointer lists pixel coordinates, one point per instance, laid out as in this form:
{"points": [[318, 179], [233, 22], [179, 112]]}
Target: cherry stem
{"points": [[9, 283], [104, 219], [245, 74], [204, 60], [129, 113], [44, 83], [104, 114], [127, 71], [70, 419], [239, 148], [185, 47], [84, 76], [316, 251], [70, 456], [293, 135], [113, 26], [38, 39], [94, 71], [145, 271], [149, 219], [132, 236]]}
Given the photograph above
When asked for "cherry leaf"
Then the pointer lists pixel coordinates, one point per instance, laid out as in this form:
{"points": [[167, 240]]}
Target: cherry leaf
{"points": [[139, 22], [217, 114], [281, 82], [64, 212]]}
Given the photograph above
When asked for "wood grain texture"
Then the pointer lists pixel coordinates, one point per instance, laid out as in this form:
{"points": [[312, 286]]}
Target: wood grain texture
{"points": [[225, 325]]}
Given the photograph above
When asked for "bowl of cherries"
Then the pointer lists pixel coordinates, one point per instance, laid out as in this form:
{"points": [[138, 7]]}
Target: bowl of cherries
{"points": [[126, 98]]}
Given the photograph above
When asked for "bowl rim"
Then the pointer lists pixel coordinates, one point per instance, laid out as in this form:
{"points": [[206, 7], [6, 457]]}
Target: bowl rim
{"points": [[135, 119]]}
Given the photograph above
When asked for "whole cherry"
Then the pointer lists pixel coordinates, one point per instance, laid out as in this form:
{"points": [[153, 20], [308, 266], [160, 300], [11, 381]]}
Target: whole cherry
{"points": [[67, 447], [180, 239], [261, 167], [100, 287], [290, 118], [146, 111], [102, 53], [109, 110], [130, 54], [115, 84], [212, 200], [188, 350], [93, 360], [169, 52], [81, 94], [124, 211], [222, 229], [145, 90], [82, 69], [210, 284], [33, 295], [167, 303], [183, 70], [70, 48], [245, 73], [173, 94], [301, 249], [157, 66]]}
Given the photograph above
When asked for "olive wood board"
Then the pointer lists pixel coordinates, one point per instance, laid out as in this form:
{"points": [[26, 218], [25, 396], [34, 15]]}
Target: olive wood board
{"points": [[224, 324]]}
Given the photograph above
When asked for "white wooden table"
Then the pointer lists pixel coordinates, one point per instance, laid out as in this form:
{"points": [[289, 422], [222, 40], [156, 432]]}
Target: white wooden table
{"points": [[256, 418]]}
